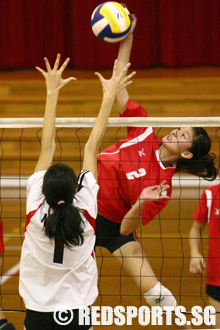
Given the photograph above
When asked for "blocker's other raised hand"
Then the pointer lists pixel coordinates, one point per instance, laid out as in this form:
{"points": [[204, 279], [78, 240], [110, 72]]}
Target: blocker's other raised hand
{"points": [[117, 82], [53, 77]]}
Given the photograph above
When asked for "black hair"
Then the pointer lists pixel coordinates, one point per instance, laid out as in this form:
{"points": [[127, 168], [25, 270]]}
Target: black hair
{"points": [[64, 224], [202, 163]]}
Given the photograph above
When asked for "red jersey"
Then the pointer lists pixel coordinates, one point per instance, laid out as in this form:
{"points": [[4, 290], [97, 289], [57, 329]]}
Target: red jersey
{"points": [[129, 166], [208, 211]]}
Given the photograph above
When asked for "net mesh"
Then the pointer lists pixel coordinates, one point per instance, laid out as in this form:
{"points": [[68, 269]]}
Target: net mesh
{"points": [[164, 240]]}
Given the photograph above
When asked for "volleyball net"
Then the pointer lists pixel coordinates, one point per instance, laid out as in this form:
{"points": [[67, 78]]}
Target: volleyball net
{"points": [[164, 240]]}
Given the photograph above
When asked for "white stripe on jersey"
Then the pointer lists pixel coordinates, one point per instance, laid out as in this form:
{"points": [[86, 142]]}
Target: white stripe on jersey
{"points": [[80, 178], [136, 140], [161, 164], [209, 202]]}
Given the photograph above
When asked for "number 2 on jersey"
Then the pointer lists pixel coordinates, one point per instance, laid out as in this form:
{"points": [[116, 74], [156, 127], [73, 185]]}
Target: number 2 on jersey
{"points": [[134, 174]]}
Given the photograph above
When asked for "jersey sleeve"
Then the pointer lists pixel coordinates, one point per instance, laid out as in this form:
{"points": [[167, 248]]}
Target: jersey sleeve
{"points": [[35, 196], [86, 197], [134, 110], [201, 212], [151, 209]]}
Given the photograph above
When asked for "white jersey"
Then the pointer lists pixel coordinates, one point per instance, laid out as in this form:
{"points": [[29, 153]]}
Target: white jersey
{"points": [[50, 278]]}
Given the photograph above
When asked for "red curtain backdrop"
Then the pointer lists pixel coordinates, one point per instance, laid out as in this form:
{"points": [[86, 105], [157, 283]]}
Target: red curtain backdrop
{"points": [[171, 33]]}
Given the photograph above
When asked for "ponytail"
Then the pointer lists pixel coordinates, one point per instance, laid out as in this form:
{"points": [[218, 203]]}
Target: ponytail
{"points": [[204, 167], [63, 221], [65, 224], [202, 163]]}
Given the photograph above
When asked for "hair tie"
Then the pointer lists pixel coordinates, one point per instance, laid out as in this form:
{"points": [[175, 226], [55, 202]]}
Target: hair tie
{"points": [[61, 202]]}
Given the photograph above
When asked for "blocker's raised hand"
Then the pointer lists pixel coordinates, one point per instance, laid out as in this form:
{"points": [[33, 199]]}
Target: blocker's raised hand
{"points": [[117, 81], [53, 77]]}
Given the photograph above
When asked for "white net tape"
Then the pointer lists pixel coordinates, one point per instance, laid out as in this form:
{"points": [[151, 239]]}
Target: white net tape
{"points": [[86, 122], [115, 122]]}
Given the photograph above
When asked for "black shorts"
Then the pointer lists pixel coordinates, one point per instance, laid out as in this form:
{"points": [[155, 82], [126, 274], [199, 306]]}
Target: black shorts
{"points": [[46, 321], [108, 234], [213, 291]]}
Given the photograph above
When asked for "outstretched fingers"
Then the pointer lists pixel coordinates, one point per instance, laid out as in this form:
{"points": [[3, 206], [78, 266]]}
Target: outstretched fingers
{"points": [[66, 81], [127, 80], [115, 67], [47, 64], [123, 73], [64, 65], [57, 62], [99, 76], [53, 77], [69, 79], [117, 82], [41, 71]]}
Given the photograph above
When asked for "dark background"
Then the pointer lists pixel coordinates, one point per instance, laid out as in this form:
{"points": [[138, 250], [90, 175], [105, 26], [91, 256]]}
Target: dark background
{"points": [[170, 33]]}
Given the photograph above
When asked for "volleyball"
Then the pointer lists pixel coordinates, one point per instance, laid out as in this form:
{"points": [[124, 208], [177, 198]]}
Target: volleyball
{"points": [[111, 22]]}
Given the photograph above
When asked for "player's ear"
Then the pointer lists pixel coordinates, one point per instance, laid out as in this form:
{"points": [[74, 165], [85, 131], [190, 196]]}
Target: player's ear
{"points": [[186, 154]]}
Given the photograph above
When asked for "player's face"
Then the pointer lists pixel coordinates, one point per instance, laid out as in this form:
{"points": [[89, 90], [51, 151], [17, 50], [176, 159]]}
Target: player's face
{"points": [[179, 141]]}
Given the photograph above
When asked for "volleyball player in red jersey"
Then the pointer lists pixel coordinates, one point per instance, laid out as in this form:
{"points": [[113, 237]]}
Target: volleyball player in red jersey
{"points": [[126, 169], [208, 212], [58, 267]]}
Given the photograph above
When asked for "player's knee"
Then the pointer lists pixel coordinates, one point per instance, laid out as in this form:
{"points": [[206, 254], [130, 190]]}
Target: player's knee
{"points": [[136, 251], [160, 296]]}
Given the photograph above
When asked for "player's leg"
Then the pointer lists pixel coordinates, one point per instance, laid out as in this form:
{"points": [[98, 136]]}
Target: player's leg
{"points": [[130, 254], [216, 304], [134, 261]]}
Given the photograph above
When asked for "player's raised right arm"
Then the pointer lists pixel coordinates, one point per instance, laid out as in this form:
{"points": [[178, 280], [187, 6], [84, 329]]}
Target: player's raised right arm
{"points": [[110, 88], [123, 59]]}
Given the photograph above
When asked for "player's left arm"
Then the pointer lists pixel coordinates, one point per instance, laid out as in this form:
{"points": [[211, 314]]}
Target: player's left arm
{"points": [[54, 83], [197, 262], [132, 220]]}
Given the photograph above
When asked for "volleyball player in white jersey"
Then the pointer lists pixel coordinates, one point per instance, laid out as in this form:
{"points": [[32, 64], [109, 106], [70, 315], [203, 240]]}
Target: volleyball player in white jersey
{"points": [[58, 267], [131, 165]]}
